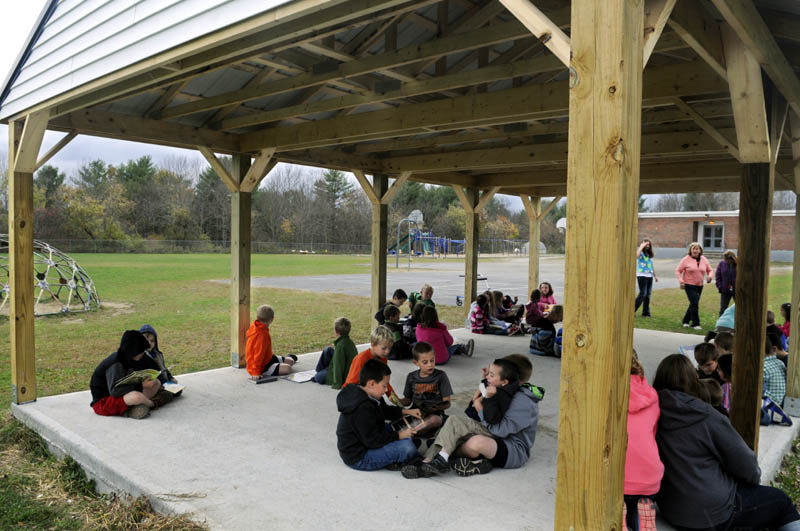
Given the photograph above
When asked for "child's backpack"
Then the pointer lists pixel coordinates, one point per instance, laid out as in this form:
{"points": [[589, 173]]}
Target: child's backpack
{"points": [[543, 342], [771, 413]]}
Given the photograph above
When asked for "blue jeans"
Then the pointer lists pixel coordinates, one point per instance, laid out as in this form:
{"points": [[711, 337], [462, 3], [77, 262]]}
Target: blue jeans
{"points": [[322, 365], [400, 451], [645, 290], [757, 507], [692, 315]]}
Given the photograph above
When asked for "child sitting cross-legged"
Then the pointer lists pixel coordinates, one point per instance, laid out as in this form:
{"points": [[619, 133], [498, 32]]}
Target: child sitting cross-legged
{"points": [[400, 349], [260, 359], [380, 345], [435, 333], [480, 319], [544, 339], [503, 437], [399, 298], [334, 362], [427, 388], [364, 440]]}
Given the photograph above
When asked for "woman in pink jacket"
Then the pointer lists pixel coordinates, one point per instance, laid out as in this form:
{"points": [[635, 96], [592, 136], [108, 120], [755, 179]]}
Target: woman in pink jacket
{"points": [[643, 466], [435, 333], [691, 272]]}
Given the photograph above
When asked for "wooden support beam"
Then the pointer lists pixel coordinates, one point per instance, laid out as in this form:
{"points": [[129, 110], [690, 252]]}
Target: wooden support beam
{"points": [[746, 22], [779, 113], [752, 275], [55, 149], [486, 196], [373, 197], [747, 99], [466, 203], [701, 32], [24, 145], [793, 370], [707, 127], [397, 185], [603, 186], [533, 207], [240, 261], [656, 14], [166, 98], [542, 27], [472, 236], [262, 165], [219, 169], [550, 206], [380, 217]]}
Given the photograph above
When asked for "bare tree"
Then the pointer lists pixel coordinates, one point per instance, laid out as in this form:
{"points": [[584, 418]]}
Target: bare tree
{"points": [[668, 203], [784, 200]]}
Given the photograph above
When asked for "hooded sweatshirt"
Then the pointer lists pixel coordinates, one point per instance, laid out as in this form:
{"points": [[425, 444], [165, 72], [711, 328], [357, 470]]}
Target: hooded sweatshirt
{"points": [[117, 365], [362, 423], [518, 426], [258, 351], [154, 358], [643, 467], [704, 459]]}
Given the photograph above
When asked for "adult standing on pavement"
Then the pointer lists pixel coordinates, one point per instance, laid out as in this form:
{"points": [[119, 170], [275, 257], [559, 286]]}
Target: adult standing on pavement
{"points": [[726, 280], [691, 271], [645, 275]]}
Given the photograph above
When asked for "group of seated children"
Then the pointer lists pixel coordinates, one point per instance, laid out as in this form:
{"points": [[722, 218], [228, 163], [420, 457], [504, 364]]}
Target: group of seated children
{"points": [[500, 433], [114, 392]]}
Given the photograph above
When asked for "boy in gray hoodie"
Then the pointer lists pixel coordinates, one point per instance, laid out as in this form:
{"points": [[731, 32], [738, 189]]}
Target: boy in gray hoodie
{"points": [[477, 447]]}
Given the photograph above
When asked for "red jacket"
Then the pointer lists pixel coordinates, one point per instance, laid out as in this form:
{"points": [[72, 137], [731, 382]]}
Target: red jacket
{"points": [[358, 364], [258, 351], [439, 338], [643, 466]]}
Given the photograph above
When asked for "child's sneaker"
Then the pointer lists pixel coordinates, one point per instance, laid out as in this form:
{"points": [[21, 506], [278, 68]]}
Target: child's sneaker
{"points": [[470, 348], [464, 466], [437, 466], [416, 471], [514, 330], [138, 412]]}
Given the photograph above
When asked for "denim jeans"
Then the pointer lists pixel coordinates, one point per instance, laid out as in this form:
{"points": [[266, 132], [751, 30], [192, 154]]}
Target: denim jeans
{"points": [[758, 507], [645, 290], [322, 365], [692, 315], [724, 300], [399, 451]]}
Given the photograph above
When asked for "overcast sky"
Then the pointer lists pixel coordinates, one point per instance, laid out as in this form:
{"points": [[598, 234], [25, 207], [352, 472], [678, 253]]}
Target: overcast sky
{"points": [[19, 19]]}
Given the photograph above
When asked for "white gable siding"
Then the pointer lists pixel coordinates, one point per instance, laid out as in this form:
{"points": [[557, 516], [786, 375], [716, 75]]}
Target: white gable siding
{"points": [[87, 39]]}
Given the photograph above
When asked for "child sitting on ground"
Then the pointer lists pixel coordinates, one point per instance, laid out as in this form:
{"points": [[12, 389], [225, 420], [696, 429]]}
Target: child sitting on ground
{"points": [[725, 372], [398, 299], [480, 322], [706, 355], [334, 362], [435, 333], [774, 372], [532, 311], [380, 344], [543, 333], [410, 326], [511, 314], [479, 446], [786, 313], [400, 349], [714, 391], [724, 343], [154, 357], [547, 299], [423, 296], [261, 361], [363, 439], [643, 467], [133, 400], [427, 388]]}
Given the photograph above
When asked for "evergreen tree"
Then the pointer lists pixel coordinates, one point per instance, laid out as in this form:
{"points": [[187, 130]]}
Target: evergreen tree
{"points": [[50, 180]]}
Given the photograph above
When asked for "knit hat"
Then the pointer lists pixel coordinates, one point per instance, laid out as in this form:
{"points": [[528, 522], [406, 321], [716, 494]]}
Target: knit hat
{"points": [[133, 343]]}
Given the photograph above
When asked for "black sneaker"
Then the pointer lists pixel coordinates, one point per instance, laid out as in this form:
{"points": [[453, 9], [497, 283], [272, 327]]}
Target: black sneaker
{"points": [[415, 471], [437, 466], [464, 466], [395, 467]]}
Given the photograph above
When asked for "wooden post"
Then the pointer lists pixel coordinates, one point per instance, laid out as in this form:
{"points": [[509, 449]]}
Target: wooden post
{"points": [[24, 144], [792, 403], [533, 207], [472, 235], [380, 218], [605, 104], [752, 275], [240, 262]]}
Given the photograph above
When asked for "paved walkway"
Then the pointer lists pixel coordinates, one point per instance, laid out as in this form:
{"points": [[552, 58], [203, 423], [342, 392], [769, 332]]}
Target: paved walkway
{"points": [[240, 456]]}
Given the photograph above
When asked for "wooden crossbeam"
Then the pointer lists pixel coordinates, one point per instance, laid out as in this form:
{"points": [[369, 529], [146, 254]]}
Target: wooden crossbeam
{"points": [[542, 27], [550, 207], [747, 99], [486, 196], [746, 22], [69, 137], [219, 168], [30, 142], [707, 127], [262, 165], [466, 203], [228, 110], [701, 32], [166, 98], [397, 185], [656, 14], [367, 187]]}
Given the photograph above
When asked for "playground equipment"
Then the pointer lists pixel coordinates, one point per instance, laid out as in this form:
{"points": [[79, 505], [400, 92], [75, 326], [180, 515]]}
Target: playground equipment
{"points": [[63, 286], [415, 218]]}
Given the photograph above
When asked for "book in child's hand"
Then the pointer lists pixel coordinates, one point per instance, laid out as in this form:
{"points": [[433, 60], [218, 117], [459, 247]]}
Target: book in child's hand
{"points": [[407, 421], [174, 388], [137, 377]]}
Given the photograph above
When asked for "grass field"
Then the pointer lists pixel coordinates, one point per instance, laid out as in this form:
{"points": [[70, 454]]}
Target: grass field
{"points": [[192, 314]]}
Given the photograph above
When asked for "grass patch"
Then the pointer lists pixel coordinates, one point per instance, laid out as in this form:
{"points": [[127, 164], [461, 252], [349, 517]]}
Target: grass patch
{"points": [[788, 479], [667, 306]]}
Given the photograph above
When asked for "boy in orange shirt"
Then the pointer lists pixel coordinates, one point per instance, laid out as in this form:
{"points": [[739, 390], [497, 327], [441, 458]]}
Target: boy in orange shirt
{"points": [[381, 341], [260, 360]]}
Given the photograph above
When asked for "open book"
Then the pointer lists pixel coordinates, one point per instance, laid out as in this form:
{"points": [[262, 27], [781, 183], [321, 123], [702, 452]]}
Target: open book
{"points": [[137, 377], [172, 387], [300, 377]]}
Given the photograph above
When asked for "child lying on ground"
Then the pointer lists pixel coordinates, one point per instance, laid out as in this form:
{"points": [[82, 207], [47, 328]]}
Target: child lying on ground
{"points": [[334, 362], [364, 440], [260, 359], [427, 388]]}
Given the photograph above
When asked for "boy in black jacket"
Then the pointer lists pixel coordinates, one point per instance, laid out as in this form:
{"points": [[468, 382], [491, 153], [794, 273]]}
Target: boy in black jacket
{"points": [[364, 440]]}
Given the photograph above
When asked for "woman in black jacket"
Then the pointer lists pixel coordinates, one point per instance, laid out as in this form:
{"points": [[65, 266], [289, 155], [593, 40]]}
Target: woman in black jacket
{"points": [[711, 477]]}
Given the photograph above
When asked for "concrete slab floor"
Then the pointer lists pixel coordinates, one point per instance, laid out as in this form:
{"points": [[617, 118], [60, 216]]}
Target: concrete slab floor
{"points": [[242, 456]]}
